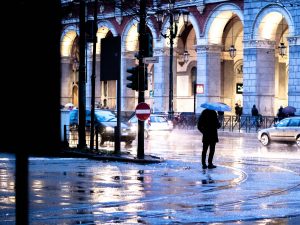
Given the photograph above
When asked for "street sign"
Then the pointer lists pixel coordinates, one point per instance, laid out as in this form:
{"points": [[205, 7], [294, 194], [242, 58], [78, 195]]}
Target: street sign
{"points": [[142, 111], [148, 60]]}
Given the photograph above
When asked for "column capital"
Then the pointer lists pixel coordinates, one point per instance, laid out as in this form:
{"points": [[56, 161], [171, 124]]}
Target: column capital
{"points": [[295, 40], [267, 44], [208, 48]]}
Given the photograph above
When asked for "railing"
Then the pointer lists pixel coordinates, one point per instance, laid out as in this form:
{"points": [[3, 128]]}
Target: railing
{"points": [[71, 137], [244, 123]]}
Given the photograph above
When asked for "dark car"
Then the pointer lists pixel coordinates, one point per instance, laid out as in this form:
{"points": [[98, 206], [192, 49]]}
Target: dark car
{"points": [[286, 131], [105, 123]]}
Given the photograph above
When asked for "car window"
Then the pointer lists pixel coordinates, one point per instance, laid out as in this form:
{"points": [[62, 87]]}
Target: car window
{"points": [[157, 119], [283, 123], [294, 123]]}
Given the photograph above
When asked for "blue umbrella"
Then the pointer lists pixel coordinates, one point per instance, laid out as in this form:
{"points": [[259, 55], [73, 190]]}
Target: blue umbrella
{"points": [[217, 106]]}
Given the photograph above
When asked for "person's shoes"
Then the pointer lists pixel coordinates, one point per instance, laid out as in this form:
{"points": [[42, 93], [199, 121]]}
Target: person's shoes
{"points": [[204, 166], [211, 166]]}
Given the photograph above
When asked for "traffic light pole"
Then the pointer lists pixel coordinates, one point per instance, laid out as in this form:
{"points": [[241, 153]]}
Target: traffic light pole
{"points": [[141, 76], [82, 80]]}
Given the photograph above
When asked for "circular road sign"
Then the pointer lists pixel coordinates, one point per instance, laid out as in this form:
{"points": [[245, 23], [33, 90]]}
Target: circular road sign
{"points": [[142, 111]]}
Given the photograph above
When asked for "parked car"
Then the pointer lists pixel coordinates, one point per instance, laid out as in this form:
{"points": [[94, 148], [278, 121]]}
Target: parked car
{"points": [[155, 123], [105, 123], [286, 131]]}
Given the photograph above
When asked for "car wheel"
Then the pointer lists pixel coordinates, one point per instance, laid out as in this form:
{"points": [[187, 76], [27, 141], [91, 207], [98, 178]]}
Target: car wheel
{"points": [[264, 139], [298, 141]]}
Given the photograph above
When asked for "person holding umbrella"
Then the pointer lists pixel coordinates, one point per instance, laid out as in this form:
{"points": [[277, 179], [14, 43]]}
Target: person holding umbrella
{"points": [[208, 124]]}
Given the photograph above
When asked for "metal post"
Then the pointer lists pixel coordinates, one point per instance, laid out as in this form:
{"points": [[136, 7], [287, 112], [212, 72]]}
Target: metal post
{"points": [[82, 87], [93, 77], [171, 112], [22, 203], [118, 127], [141, 98]]}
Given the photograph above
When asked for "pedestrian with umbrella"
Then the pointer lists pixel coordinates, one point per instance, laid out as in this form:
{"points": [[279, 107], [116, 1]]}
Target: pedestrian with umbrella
{"points": [[208, 124], [289, 111]]}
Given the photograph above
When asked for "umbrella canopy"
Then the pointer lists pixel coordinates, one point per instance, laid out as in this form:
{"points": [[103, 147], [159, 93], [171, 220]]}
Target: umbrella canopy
{"points": [[217, 106], [289, 110]]}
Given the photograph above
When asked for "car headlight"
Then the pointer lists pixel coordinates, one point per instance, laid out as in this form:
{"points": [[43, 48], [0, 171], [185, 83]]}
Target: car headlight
{"points": [[109, 129]]}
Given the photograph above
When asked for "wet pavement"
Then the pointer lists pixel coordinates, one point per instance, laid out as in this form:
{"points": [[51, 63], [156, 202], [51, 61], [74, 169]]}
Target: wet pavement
{"points": [[251, 185]]}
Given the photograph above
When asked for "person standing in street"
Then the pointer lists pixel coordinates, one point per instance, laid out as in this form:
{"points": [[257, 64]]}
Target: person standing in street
{"points": [[257, 117], [254, 111], [237, 109], [208, 124], [280, 113]]}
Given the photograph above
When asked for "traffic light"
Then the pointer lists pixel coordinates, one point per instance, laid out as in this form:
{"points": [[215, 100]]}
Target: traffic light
{"points": [[148, 45], [134, 78]]}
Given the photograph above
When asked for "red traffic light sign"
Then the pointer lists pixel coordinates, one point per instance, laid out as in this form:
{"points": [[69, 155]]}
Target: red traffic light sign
{"points": [[142, 111]]}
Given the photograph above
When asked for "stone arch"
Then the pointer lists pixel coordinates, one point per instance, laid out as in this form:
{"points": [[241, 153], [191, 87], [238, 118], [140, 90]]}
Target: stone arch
{"points": [[67, 38], [217, 20], [196, 27], [271, 10], [128, 43], [128, 29]]}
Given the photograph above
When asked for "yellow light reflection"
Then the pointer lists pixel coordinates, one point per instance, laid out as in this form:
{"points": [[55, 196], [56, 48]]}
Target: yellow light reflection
{"points": [[66, 43], [37, 184], [120, 186], [217, 27], [132, 39], [102, 32], [267, 28]]}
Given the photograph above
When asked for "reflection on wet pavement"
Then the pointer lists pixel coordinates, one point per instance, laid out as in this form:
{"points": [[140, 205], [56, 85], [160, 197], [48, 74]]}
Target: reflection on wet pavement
{"points": [[251, 185]]}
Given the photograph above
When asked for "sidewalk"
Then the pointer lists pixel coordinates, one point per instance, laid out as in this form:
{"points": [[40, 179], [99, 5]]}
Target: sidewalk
{"points": [[103, 154]]}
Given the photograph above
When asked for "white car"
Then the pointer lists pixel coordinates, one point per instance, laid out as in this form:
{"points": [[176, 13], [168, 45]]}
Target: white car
{"points": [[285, 131], [155, 123]]}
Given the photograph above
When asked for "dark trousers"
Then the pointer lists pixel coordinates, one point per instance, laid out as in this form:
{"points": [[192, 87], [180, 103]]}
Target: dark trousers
{"points": [[211, 152]]}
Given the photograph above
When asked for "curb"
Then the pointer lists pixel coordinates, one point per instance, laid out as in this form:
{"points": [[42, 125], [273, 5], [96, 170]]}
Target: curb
{"points": [[124, 157]]}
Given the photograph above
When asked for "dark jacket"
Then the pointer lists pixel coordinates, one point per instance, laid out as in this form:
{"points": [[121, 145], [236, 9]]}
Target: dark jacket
{"points": [[208, 124]]}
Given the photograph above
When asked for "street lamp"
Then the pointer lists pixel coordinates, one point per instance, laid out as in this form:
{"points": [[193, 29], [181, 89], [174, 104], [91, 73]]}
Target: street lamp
{"points": [[173, 15], [232, 49], [282, 47]]}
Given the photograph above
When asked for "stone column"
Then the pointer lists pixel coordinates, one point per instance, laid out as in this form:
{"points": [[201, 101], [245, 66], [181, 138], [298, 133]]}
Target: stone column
{"points": [[68, 79], [89, 67], [161, 84], [294, 73], [259, 76], [208, 73], [97, 81]]}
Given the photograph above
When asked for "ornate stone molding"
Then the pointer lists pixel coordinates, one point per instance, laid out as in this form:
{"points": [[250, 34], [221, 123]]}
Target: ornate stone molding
{"points": [[65, 59], [159, 51], [200, 6], [208, 48], [118, 12], [267, 44], [294, 40], [129, 54]]}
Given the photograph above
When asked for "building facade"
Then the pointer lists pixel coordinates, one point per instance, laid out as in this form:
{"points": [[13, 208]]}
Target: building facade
{"points": [[259, 73]]}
